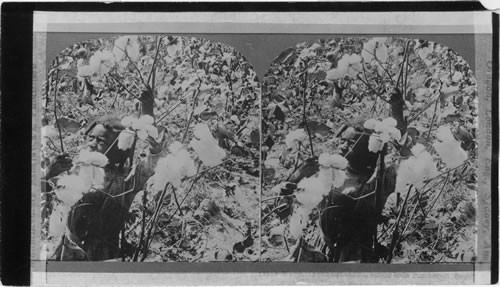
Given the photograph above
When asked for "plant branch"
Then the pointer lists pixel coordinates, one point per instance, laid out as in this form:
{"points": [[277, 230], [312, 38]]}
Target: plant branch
{"points": [[304, 116], [55, 112], [395, 234], [166, 113], [136, 68], [153, 220], [380, 63], [177, 201], [371, 88], [432, 121], [154, 62], [403, 63], [195, 99], [122, 85], [143, 229]]}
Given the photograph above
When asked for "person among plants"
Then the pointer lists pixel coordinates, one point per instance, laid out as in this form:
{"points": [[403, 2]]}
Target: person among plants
{"points": [[94, 222]]}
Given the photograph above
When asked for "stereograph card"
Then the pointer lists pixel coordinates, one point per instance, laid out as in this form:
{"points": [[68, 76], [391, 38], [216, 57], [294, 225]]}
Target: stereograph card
{"points": [[262, 148]]}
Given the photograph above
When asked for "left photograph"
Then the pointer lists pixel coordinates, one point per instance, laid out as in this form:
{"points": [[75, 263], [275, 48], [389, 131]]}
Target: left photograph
{"points": [[150, 152]]}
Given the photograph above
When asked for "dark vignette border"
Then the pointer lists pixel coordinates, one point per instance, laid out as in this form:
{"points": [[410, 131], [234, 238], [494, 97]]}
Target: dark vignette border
{"points": [[494, 155], [16, 106]]}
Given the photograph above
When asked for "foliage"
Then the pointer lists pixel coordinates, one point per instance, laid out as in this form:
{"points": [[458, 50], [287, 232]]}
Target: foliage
{"points": [[188, 84], [318, 89]]}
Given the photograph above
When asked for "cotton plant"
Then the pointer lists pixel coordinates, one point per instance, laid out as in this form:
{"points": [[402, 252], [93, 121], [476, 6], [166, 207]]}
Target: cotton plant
{"points": [[448, 148], [331, 174], [142, 127], [384, 131], [206, 146]]}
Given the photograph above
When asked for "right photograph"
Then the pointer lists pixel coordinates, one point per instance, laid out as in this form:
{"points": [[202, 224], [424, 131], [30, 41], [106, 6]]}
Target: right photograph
{"points": [[369, 153]]}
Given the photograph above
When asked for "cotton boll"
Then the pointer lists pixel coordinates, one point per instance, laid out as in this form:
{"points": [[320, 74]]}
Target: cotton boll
{"points": [[417, 149], [415, 169], [389, 122], [338, 161], [381, 52], [324, 159], [208, 151], [92, 175], [298, 222], [375, 144], [202, 130], [368, 51], [73, 187], [173, 168], [57, 221], [128, 121], [85, 71], [175, 147], [151, 131], [146, 120], [444, 134], [371, 124], [142, 134], [128, 44], [159, 178], [126, 139], [294, 137], [335, 74], [394, 133], [101, 62], [448, 148], [384, 136], [339, 177], [349, 133], [451, 153], [92, 158]]}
